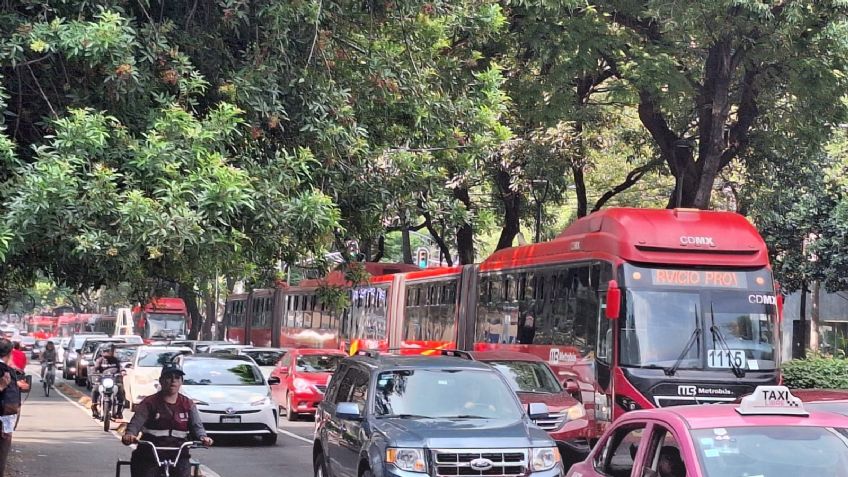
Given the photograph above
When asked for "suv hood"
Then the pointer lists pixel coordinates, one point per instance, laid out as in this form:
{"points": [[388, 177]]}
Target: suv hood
{"points": [[462, 433]]}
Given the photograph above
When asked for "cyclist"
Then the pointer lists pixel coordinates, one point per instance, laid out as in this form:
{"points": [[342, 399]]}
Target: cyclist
{"points": [[167, 419], [47, 356]]}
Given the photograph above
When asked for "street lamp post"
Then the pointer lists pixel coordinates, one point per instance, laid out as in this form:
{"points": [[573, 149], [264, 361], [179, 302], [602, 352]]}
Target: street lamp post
{"points": [[540, 198]]}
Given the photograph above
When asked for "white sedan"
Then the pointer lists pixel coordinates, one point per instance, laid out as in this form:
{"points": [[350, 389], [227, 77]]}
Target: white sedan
{"points": [[142, 373], [231, 394]]}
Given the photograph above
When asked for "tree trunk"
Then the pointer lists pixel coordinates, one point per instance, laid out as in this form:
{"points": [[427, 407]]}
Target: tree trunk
{"points": [[802, 317], [406, 245], [464, 233], [381, 248], [512, 207], [211, 302], [186, 292]]}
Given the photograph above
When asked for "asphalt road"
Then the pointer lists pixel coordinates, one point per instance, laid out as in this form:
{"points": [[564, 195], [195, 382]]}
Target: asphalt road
{"points": [[56, 436]]}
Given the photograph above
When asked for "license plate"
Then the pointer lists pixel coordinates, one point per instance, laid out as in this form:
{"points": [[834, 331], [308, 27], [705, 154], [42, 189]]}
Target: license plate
{"points": [[719, 358], [230, 419]]}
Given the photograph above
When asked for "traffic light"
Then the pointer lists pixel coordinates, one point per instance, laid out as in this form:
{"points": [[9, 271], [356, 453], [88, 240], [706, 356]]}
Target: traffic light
{"points": [[423, 256]]}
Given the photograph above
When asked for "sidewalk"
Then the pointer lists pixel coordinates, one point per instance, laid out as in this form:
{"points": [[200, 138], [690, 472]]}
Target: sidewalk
{"points": [[56, 436]]}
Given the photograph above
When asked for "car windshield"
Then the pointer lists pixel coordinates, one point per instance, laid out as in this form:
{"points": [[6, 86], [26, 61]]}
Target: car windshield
{"points": [[155, 358], [91, 346], [217, 372], [125, 354], [528, 376], [265, 357], [444, 394], [722, 326], [776, 451], [318, 363]]}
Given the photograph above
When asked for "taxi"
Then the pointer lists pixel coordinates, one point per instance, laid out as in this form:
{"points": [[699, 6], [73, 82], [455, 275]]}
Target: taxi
{"points": [[769, 434]]}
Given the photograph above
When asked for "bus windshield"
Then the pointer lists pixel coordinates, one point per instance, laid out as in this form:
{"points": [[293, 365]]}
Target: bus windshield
{"points": [[698, 328], [162, 324]]}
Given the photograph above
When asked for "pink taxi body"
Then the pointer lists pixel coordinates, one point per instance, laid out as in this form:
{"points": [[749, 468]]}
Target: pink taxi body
{"points": [[638, 442]]}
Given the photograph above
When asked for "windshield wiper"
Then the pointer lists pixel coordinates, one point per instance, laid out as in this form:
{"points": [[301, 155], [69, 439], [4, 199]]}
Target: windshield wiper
{"points": [[464, 416], [737, 370], [403, 416], [692, 339]]}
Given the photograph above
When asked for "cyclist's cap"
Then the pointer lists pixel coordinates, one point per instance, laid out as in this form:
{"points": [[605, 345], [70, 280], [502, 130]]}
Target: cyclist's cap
{"points": [[171, 369]]}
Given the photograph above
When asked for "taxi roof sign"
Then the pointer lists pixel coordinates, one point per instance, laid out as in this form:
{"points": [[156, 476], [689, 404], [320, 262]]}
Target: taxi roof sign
{"points": [[772, 400]]}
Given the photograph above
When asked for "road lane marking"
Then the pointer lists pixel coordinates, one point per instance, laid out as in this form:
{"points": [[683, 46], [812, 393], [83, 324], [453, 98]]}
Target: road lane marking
{"points": [[292, 434]]}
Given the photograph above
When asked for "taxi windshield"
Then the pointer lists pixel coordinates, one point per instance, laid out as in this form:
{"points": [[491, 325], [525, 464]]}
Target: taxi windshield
{"points": [[774, 451]]}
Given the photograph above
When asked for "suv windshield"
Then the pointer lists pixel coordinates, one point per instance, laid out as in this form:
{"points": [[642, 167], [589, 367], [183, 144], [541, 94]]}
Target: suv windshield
{"points": [[779, 451], [450, 393], [265, 358], [318, 363], [221, 373], [528, 376]]}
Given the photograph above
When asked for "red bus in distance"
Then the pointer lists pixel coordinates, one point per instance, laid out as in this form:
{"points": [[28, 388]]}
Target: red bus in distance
{"points": [[162, 318]]}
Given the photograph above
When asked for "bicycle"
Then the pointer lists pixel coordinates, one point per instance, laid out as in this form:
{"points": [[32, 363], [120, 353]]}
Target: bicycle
{"points": [[49, 377], [166, 465]]}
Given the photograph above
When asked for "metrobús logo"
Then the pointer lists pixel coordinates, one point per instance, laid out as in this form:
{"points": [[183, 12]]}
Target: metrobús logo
{"points": [[691, 390], [697, 241]]}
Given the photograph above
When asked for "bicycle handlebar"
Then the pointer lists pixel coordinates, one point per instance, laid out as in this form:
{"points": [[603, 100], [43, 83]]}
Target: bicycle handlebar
{"points": [[171, 463]]}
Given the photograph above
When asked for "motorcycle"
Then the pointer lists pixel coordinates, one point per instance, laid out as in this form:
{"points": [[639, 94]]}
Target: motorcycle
{"points": [[111, 403], [49, 377]]}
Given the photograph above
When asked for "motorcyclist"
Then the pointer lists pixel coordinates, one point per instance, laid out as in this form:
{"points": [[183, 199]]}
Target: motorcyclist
{"points": [[167, 419], [106, 364], [47, 356]]}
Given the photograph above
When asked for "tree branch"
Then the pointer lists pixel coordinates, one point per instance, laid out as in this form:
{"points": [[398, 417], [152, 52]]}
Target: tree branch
{"points": [[632, 178]]}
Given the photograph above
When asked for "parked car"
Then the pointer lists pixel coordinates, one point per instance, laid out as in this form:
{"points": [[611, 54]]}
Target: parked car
{"points": [[389, 415], [131, 339], [231, 395], [265, 358], [85, 357], [535, 382], [27, 343], [72, 350], [770, 433], [123, 351], [142, 372], [303, 375], [38, 348]]}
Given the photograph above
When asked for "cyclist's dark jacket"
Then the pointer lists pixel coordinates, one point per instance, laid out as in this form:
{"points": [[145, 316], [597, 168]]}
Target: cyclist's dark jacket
{"points": [[166, 424]]}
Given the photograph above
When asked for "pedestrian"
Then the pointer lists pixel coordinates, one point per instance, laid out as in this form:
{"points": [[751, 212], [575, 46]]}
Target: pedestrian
{"points": [[10, 401], [19, 362]]}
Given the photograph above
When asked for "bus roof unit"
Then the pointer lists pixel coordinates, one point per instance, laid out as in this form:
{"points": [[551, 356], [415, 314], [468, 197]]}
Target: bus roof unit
{"points": [[667, 236]]}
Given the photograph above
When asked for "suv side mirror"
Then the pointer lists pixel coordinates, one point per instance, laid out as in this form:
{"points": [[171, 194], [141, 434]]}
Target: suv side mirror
{"points": [[537, 410], [128, 366], [273, 380], [571, 387], [350, 411]]}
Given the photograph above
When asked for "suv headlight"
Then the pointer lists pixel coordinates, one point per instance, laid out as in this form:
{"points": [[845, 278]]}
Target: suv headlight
{"points": [[544, 458], [411, 460], [577, 411]]}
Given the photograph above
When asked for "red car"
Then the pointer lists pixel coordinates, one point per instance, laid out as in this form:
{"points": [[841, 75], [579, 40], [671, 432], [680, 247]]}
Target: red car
{"points": [[535, 382], [304, 374]]}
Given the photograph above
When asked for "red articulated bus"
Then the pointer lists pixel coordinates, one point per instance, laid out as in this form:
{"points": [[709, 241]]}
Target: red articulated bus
{"points": [[635, 308], [162, 318], [70, 323], [42, 327]]}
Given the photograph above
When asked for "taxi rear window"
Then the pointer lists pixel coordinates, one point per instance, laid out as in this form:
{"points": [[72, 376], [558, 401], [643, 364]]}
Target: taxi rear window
{"points": [[774, 451]]}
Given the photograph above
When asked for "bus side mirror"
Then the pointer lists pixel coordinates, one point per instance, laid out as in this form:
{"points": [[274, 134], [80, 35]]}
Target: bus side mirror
{"points": [[613, 300]]}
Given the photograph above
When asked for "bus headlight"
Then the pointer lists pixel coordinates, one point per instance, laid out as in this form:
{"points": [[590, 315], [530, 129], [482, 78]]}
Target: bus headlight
{"points": [[544, 458]]}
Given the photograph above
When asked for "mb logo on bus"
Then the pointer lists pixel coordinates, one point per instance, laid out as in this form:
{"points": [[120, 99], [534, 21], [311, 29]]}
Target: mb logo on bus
{"points": [[687, 390]]}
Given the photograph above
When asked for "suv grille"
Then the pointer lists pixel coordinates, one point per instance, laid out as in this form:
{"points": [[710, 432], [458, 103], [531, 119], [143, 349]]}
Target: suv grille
{"points": [[553, 422], [455, 462]]}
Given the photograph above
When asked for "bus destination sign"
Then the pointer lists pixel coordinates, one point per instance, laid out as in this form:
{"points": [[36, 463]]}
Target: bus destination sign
{"points": [[699, 278]]}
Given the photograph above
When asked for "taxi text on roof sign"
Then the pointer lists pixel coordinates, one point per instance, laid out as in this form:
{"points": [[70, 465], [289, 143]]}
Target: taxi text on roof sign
{"points": [[772, 400]]}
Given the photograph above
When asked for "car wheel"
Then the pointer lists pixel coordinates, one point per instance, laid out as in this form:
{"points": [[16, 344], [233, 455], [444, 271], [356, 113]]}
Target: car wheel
{"points": [[319, 466], [269, 439], [290, 414]]}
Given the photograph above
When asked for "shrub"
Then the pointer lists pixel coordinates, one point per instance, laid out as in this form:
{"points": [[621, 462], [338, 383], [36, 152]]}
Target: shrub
{"points": [[816, 372]]}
